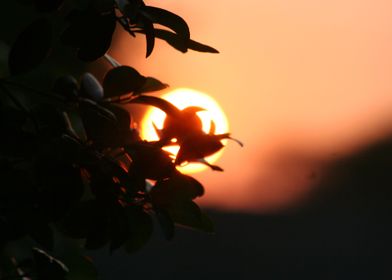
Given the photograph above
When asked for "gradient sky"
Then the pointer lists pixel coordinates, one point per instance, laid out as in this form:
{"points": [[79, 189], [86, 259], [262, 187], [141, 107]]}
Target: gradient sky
{"points": [[302, 82]]}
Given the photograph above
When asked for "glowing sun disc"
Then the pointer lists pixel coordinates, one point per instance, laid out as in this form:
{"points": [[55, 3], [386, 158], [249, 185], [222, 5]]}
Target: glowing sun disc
{"points": [[182, 98]]}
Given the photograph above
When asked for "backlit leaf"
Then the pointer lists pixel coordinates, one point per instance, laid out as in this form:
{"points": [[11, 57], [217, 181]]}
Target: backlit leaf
{"points": [[168, 19], [122, 80], [152, 84], [149, 31]]}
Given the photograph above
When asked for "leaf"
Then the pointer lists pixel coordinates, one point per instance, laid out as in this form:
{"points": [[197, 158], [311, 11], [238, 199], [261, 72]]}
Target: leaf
{"points": [[152, 84], [77, 222], [31, 47], [196, 46], [47, 6], [67, 86], [179, 44], [149, 31], [90, 32], [123, 118], [48, 119], [160, 103], [103, 6], [48, 267], [119, 227], [74, 124], [122, 80], [102, 122], [199, 146], [149, 161], [61, 186], [91, 220], [90, 87], [168, 19], [166, 223], [176, 189], [141, 228], [188, 214]]}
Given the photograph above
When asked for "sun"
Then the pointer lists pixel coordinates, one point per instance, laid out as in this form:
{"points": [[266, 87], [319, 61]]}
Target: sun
{"points": [[182, 98]]}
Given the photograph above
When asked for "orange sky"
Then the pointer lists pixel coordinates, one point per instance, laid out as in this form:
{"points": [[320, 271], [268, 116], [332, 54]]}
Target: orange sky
{"points": [[302, 82]]}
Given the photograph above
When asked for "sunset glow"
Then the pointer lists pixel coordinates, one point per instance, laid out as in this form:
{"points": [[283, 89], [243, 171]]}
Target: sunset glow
{"points": [[182, 98], [302, 82]]}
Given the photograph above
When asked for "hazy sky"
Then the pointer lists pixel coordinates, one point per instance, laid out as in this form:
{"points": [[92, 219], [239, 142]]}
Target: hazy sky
{"points": [[302, 83]]}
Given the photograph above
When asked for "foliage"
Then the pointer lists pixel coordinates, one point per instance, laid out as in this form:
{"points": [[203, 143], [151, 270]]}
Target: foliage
{"points": [[72, 163]]}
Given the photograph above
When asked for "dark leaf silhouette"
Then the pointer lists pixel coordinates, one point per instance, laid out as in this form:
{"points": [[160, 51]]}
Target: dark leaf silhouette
{"points": [[120, 229], [48, 267], [149, 31], [166, 222], [168, 19], [90, 32], [188, 214], [122, 80], [196, 147], [178, 43], [31, 47], [67, 86], [160, 103], [178, 123], [47, 6], [176, 189], [152, 84], [141, 228], [149, 161]]}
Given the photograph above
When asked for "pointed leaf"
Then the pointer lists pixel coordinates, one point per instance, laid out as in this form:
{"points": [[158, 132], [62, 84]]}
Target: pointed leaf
{"points": [[149, 31], [31, 47], [160, 103], [122, 80], [168, 19], [179, 44], [152, 84], [48, 267]]}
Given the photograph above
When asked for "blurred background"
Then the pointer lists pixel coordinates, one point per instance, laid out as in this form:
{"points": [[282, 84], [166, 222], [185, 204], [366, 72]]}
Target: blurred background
{"points": [[303, 84]]}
